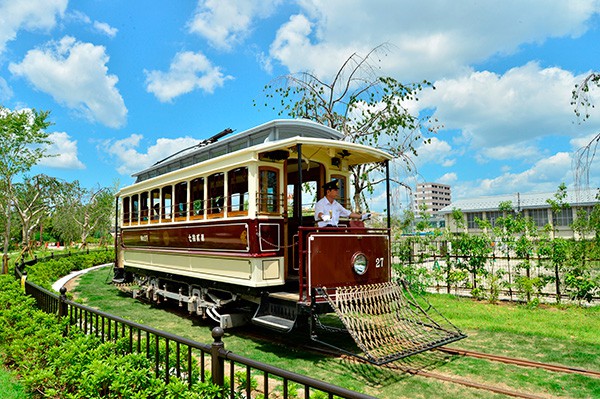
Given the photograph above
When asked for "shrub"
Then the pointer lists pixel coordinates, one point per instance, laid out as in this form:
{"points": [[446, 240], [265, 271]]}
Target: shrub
{"points": [[52, 365], [47, 271]]}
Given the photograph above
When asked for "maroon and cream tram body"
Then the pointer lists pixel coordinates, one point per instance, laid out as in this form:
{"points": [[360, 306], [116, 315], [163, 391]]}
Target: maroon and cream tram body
{"points": [[229, 225]]}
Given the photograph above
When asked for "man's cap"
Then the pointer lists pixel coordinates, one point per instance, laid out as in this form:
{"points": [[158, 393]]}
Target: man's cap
{"points": [[332, 185]]}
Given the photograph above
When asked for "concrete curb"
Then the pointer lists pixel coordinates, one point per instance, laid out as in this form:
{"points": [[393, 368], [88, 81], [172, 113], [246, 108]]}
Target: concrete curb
{"points": [[64, 280]]}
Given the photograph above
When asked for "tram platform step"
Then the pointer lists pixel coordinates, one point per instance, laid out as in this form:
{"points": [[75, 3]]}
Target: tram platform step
{"points": [[276, 313], [274, 322]]}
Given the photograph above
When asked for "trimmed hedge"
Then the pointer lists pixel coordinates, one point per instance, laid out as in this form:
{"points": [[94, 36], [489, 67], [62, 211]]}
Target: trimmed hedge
{"points": [[48, 270], [51, 365]]}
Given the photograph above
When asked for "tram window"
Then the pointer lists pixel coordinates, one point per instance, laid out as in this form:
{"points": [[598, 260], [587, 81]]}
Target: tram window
{"points": [[155, 204], [237, 187], [144, 207], [135, 208], [181, 200], [216, 193], [342, 191], [126, 210], [309, 198], [197, 198], [268, 200], [167, 202]]}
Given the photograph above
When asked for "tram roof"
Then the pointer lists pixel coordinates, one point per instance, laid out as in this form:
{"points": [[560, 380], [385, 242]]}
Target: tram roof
{"points": [[273, 135]]}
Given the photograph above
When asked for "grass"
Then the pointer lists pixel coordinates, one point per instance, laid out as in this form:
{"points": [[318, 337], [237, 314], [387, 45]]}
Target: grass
{"points": [[9, 387], [553, 321], [553, 334], [566, 335]]}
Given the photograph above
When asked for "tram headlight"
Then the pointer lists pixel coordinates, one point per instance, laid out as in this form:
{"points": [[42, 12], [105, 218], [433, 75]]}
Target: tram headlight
{"points": [[360, 263]]}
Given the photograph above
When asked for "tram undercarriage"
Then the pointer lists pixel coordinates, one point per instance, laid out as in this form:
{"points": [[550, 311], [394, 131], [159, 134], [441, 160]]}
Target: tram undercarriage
{"points": [[205, 299]]}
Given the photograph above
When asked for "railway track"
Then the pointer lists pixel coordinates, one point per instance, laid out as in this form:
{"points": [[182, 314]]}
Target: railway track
{"points": [[470, 384], [520, 362], [473, 384], [497, 358]]}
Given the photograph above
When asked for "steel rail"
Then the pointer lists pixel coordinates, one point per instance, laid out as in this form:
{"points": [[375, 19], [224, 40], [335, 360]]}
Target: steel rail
{"points": [[472, 384], [438, 376], [520, 362]]}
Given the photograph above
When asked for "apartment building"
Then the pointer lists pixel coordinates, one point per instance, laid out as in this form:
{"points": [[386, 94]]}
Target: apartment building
{"points": [[434, 196]]}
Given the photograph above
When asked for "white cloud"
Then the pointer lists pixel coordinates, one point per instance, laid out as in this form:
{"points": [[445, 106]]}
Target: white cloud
{"points": [[227, 23], [428, 39], [265, 62], [437, 151], [131, 160], [448, 163], [580, 142], [105, 29], [544, 176], [293, 48], [448, 178], [78, 16], [511, 151], [63, 152], [101, 27], [502, 116], [30, 15], [188, 71], [75, 74], [5, 91]]}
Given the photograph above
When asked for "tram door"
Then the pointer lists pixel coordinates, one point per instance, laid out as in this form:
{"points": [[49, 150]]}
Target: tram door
{"points": [[313, 174]]}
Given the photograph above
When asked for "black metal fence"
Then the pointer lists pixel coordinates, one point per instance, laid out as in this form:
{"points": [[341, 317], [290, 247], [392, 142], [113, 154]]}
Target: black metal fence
{"points": [[173, 355], [432, 266]]}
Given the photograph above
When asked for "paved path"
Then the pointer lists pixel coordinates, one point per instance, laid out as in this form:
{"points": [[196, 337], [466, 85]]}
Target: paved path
{"points": [[64, 280]]}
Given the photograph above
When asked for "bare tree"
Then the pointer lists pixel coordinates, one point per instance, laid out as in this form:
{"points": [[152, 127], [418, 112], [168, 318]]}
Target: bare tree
{"points": [[22, 139], [583, 104], [84, 211], [33, 200], [365, 107]]}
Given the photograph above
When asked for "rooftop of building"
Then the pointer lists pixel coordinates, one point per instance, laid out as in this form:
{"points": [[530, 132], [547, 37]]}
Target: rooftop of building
{"points": [[521, 201]]}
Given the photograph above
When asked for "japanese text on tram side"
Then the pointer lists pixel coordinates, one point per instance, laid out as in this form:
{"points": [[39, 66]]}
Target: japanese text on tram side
{"points": [[195, 237]]}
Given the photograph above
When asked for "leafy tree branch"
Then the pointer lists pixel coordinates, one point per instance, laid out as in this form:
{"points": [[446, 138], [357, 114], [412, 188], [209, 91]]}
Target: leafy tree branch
{"points": [[365, 107]]}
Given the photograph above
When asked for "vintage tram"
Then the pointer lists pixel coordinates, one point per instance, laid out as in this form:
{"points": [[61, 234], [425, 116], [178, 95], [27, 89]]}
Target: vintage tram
{"points": [[227, 229]]}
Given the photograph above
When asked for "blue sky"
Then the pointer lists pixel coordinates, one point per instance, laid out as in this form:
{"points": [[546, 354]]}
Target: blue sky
{"points": [[130, 82]]}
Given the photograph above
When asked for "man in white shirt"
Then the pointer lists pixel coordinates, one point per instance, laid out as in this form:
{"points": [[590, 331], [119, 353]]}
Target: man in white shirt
{"points": [[328, 210]]}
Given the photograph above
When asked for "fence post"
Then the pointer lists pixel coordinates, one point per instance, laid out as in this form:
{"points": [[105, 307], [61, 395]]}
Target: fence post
{"points": [[528, 272], [63, 308], [217, 362], [62, 305], [510, 276], [23, 280], [557, 277]]}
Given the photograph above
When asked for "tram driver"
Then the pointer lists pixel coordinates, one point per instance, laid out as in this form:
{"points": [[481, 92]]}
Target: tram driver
{"points": [[328, 210]]}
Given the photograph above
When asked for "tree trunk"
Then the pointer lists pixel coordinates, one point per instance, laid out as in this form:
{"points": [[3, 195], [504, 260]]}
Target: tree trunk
{"points": [[356, 202], [6, 237], [85, 230], [5, 263], [25, 232]]}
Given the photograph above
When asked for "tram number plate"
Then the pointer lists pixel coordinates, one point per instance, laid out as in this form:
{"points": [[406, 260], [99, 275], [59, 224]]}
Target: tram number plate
{"points": [[379, 262]]}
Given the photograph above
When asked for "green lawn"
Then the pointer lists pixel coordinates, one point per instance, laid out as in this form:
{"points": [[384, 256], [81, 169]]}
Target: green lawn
{"points": [[561, 335], [9, 387]]}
